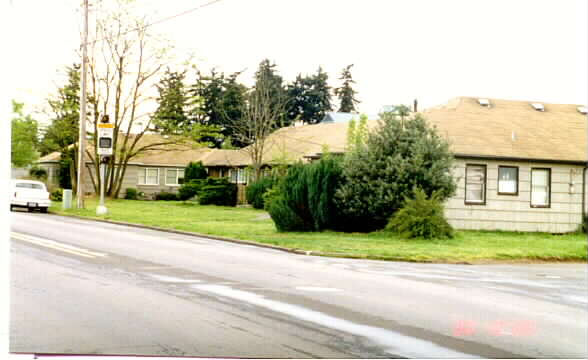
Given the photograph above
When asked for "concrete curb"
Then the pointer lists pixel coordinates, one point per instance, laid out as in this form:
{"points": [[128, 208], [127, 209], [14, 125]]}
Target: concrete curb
{"points": [[194, 234]]}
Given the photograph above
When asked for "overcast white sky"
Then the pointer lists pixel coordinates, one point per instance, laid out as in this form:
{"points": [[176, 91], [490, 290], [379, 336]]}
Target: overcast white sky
{"points": [[430, 50]]}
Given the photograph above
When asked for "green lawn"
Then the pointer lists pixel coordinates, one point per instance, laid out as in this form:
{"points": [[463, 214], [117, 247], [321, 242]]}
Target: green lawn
{"points": [[253, 225]]}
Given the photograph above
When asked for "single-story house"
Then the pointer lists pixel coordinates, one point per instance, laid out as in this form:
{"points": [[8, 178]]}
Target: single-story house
{"points": [[519, 166], [150, 172]]}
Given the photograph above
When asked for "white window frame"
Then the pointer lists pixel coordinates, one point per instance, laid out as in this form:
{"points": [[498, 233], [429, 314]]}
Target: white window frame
{"points": [[543, 205], [177, 170], [143, 177], [240, 177], [484, 185]]}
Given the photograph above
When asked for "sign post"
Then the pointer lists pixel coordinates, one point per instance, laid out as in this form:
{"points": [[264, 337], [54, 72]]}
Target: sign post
{"points": [[105, 140]]}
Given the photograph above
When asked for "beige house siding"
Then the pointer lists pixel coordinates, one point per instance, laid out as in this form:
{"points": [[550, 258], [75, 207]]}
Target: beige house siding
{"points": [[151, 190], [514, 212]]}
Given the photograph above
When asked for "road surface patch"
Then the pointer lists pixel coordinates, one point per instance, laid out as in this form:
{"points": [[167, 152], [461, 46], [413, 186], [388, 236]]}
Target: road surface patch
{"points": [[70, 249], [316, 288], [394, 342]]}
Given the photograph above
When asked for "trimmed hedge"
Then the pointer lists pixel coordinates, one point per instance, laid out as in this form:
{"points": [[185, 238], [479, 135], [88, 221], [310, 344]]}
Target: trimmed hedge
{"points": [[218, 192], [166, 196], [131, 194], [190, 189]]}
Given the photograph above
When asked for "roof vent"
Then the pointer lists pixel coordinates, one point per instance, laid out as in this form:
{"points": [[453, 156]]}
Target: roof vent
{"points": [[538, 107], [582, 110], [484, 102]]}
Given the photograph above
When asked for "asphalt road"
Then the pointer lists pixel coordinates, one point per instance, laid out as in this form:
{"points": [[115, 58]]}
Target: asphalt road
{"points": [[82, 287]]}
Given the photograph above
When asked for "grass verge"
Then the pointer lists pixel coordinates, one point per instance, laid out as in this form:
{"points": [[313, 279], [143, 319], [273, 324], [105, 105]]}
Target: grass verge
{"points": [[254, 225]]}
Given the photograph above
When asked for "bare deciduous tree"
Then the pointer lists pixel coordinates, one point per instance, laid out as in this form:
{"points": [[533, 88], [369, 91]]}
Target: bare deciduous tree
{"points": [[262, 114], [125, 61]]}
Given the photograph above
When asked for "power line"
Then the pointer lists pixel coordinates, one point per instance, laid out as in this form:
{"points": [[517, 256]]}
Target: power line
{"points": [[163, 20]]}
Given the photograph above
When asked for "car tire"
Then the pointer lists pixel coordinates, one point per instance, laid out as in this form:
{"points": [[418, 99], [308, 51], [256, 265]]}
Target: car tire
{"points": [[29, 209], [44, 210]]}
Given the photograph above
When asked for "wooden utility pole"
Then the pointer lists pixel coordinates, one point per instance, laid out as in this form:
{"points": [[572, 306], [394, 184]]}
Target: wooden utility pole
{"points": [[82, 138]]}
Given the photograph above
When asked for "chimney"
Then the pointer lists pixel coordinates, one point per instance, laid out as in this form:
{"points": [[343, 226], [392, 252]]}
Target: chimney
{"points": [[415, 109]]}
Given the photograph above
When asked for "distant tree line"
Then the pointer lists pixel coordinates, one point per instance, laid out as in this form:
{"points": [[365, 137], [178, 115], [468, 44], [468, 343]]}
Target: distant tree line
{"points": [[219, 100]]}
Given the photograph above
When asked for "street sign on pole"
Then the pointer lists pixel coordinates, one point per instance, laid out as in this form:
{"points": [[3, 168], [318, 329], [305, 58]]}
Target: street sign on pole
{"points": [[105, 145], [105, 139]]}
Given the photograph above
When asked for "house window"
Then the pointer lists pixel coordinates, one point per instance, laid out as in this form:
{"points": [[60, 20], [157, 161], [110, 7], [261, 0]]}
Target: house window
{"points": [[540, 187], [508, 180], [149, 176], [475, 184], [238, 176], [174, 176]]}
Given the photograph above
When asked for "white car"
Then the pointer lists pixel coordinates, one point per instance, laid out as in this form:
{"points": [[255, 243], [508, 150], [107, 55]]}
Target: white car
{"points": [[29, 194]]}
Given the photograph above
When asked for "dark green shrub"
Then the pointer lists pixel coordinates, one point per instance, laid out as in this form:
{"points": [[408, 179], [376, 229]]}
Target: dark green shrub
{"points": [[283, 216], [218, 192], [256, 190], [38, 173], [56, 195], [401, 154], [131, 194], [190, 189], [166, 196], [421, 217], [323, 180], [194, 171], [304, 199]]}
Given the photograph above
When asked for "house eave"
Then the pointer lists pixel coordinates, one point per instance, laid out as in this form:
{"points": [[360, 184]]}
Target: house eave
{"points": [[520, 159]]}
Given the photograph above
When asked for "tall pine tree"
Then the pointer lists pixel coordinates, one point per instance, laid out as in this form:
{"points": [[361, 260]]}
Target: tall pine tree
{"points": [[345, 93], [217, 100], [171, 116], [309, 98]]}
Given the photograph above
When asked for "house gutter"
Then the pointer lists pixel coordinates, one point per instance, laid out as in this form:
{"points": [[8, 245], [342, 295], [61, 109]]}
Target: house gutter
{"points": [[510, 158]]}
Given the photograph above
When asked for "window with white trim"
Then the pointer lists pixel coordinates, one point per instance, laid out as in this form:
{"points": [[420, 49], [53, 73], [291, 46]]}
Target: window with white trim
{"points": [[238, 176], [475, 184], [174, 176], [540, 187], [508, 180], [149, 176]]}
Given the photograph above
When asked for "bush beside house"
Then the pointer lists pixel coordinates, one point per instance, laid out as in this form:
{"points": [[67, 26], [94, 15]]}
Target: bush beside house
{"points": [[255, 191], [399, 155], [421, 217], [304, 199]]}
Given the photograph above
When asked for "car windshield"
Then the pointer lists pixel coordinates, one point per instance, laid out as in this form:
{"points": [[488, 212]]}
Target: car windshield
{"points": [[29, 186]]}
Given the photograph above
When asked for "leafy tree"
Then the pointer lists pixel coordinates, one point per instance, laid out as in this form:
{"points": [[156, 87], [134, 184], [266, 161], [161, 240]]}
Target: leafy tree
{"points": [[217, 100], [396, 158], [23, 137], [356, 134], [63, 131], [309, 98], [65, 107], [170, 115], [345, 93]]}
